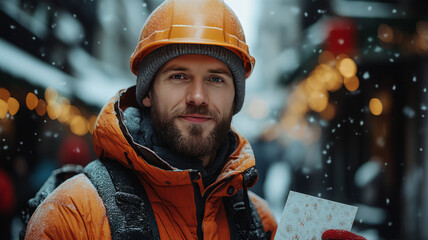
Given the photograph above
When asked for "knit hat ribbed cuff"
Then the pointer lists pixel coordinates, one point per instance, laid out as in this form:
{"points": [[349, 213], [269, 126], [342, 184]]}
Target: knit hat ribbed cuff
{"points": [[156, 59]]}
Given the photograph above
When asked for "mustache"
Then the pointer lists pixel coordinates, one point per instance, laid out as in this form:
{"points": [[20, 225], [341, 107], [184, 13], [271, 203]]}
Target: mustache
{"points": [[192, 109]]}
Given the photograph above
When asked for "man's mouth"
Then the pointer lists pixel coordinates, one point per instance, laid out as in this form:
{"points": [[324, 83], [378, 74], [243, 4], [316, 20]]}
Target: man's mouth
{"points": [[196, 118]]}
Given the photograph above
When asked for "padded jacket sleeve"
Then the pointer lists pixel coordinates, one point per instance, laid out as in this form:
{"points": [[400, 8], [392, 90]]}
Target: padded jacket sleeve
{"points": [[73, 211]]}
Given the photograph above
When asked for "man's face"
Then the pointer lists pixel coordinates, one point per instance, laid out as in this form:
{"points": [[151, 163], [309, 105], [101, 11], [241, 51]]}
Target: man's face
{"points": [[191, 104]]}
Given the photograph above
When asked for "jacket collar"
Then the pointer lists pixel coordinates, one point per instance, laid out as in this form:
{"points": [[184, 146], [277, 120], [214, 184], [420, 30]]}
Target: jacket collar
{"points": [[139, 125]]}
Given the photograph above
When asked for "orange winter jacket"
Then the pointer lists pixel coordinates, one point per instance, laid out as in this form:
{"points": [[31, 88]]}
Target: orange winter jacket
{"points": [[76, 211]]}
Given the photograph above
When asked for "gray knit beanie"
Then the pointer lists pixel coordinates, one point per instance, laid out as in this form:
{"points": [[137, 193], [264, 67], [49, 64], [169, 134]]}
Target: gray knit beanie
{"points": [[156, 59]]}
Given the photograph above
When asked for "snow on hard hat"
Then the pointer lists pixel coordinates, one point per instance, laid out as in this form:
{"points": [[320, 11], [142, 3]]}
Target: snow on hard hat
{"points": [[209, 22]]}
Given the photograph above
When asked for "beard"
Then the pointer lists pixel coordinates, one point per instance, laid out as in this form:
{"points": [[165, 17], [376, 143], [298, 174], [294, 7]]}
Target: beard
{"points": [[194, 143]]}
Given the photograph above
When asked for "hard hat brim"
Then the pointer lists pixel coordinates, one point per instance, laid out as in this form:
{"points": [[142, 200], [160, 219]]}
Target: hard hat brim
{"points": [[187, 34]]}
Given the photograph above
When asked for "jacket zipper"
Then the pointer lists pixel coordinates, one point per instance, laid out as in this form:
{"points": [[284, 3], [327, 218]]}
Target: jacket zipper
{"points": [[200, 200], [200, 208]]}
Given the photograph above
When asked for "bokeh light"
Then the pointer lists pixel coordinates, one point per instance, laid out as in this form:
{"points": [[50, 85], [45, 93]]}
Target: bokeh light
{"points": [[41, 107], [79, 125], [352, 83], [385, 33], [50, 95], [318, 100], [65, 106], [31, 101], [4, 94], [347, 67], [313, 83], [326, 57], [13, 106], [375, 106], [330, 77], [3, 109], [258, 108], [329, 112], [53, 110]]}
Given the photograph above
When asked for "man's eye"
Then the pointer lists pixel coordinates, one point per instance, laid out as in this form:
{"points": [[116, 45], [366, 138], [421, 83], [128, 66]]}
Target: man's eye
{"points": [[177, 76], [216, 79]]}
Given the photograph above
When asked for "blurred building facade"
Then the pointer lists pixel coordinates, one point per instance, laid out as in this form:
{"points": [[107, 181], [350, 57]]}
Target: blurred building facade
{"points": [[354, 74]]}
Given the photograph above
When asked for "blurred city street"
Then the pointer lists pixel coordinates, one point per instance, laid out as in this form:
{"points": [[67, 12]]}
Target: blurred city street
{"points": [[336, 107]]}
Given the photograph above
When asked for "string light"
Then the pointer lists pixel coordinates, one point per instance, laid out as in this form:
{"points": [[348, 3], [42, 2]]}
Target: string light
{"points": [[13, 106], [31, 101], [312, 94], [4, 94], [50, 95], [64, 114], [79, 125], [41, 107], [352, 83], [56, 107], [318, 100], [375, 106], [385, 33], [3, 109], [53, 110], [347, 67], [326, 57], [329, 112]]}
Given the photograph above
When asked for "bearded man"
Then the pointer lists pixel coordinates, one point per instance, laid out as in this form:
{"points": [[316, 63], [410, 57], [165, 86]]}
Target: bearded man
{"points": [[172, 133]]}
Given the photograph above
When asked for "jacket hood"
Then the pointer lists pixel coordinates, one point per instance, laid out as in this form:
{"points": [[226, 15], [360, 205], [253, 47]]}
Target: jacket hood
{"points": [[112, 140]]}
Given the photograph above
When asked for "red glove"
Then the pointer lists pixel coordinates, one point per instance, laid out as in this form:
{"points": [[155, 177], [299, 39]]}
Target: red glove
{"points": [[336, 234]]}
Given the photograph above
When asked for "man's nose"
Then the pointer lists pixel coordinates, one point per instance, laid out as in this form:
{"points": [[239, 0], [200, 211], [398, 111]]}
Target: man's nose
{"points": [[196, 93]]}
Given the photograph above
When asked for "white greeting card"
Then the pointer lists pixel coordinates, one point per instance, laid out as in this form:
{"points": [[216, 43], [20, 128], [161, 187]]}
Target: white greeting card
{"points": [[306, 217]]}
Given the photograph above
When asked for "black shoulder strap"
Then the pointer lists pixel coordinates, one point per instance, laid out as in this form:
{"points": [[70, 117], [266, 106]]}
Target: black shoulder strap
{"points": [[244, 220], [244, 224], [128, 207]]}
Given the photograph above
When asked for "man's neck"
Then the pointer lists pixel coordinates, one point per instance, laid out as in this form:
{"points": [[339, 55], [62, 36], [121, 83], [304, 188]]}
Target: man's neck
{"points": [[206, 160]]}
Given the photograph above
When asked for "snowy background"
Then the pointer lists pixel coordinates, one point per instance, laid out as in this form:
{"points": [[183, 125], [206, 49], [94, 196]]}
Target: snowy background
{"points": [[336, 106]]}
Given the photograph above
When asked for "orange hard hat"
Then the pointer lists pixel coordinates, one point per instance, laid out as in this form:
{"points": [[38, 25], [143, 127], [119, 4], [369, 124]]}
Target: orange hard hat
{"points": [[209, 22]]}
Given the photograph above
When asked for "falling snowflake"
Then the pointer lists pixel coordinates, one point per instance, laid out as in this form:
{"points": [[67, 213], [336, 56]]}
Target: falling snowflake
{"points": [[366, 75]]}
